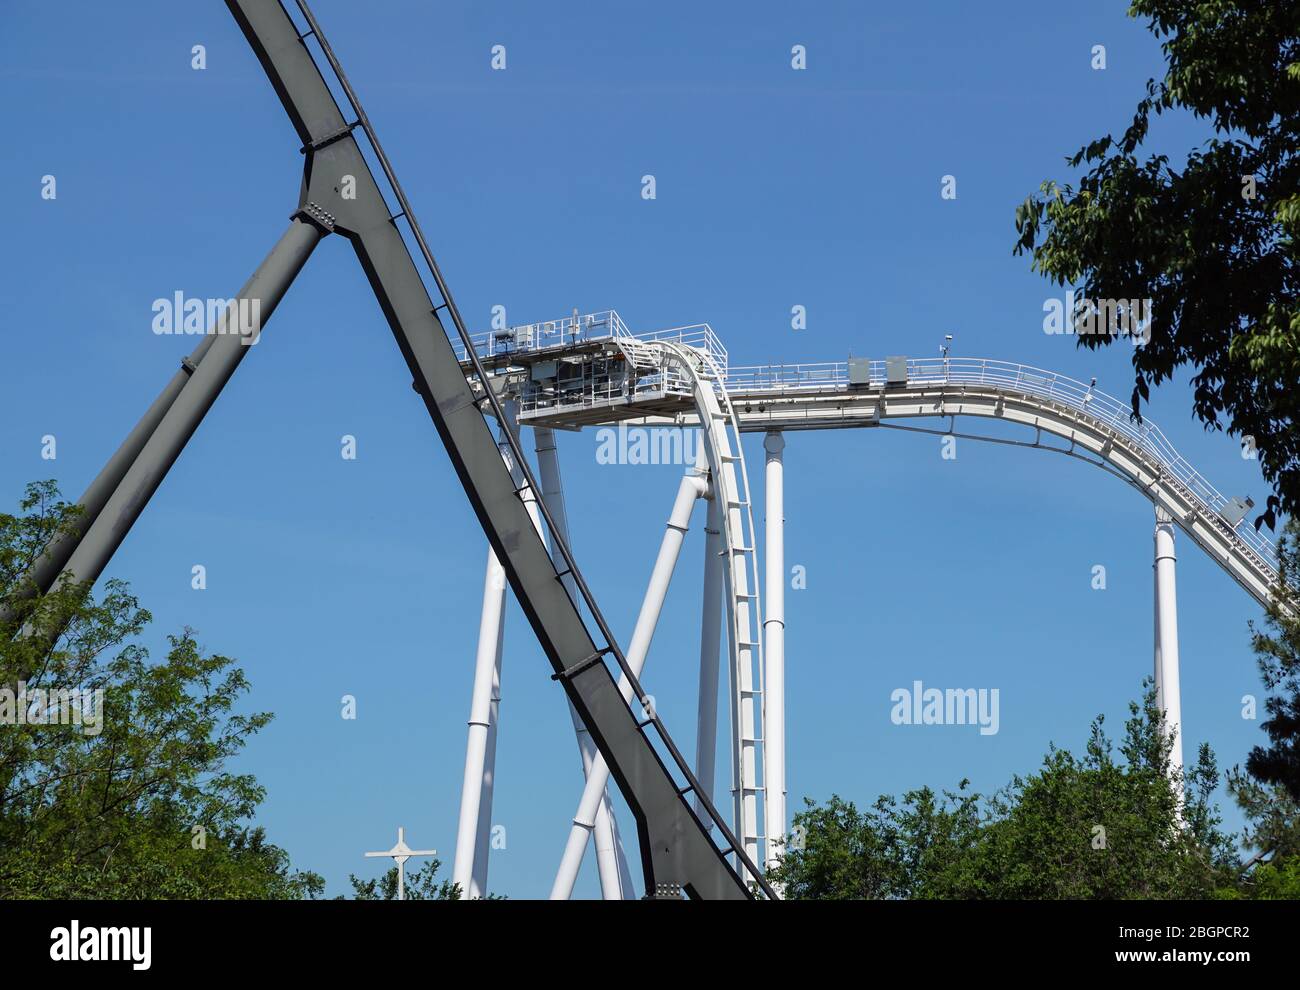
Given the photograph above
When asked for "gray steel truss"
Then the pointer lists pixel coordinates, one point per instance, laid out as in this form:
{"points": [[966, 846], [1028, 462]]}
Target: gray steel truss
{"points": [[341, 194]]}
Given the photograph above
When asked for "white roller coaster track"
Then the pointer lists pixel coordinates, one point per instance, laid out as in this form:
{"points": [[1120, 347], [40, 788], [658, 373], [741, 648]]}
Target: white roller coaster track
{"points": [[721, 438], [682, 377], [820, 396]]}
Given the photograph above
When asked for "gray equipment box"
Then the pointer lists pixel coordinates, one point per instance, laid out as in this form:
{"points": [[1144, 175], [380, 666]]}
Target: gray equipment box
{"points": [[896, 370], [859, 371]]}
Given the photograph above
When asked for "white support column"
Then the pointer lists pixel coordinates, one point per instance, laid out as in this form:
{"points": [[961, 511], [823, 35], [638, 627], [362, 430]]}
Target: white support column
{"points": [[706, 733], [693, 486], [774, 648], [611, 861], [1168, 695], [482, 711], [483, 840]]}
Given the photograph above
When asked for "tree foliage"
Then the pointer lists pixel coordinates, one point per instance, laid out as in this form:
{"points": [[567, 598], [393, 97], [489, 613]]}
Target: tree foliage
{"points": [[1277, 650], [421, 885], [1100, 825], [1211, 240], [144, 806]]}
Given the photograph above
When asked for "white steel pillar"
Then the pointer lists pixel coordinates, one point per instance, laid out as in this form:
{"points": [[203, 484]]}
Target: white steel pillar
{"points": [[483, 839], [706, 733], [693, 486], [774, 648], [611, 861], [1168, 695], [483, 709]]}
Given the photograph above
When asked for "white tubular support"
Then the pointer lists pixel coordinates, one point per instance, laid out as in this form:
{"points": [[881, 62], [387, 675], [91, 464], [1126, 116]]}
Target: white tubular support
{"points": [[693, 486], [611, 862], [774, 649], [1168, 694], [482, 712], [706, 734], [478, 881]]}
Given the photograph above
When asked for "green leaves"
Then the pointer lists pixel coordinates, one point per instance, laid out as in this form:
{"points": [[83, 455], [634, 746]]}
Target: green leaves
{"points": [[1212, 244], [1081, 827], [421, 885], [144, 808]]}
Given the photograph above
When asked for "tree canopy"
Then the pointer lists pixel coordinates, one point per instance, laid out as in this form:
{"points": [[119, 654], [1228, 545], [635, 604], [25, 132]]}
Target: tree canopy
{"points": [[1209, 240], [1092, 826], [137, 802]]}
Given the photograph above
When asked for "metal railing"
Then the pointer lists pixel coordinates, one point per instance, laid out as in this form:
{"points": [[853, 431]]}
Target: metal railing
{"points": [[570, 330], [1006, 375]]}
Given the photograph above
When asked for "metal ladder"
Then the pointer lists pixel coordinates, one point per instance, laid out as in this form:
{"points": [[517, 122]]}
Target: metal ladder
{"points": [[744, 608]]}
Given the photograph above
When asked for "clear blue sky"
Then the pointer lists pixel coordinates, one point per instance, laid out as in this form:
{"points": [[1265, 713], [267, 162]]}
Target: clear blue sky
{"points": [[775, 188]]}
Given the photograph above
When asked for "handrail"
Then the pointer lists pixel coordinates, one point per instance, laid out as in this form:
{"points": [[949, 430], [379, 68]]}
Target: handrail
{"points": [[1028, 380]]}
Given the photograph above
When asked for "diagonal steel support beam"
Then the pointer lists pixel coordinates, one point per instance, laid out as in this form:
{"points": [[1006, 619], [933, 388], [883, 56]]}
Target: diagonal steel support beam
{"points": [[675, 848]]}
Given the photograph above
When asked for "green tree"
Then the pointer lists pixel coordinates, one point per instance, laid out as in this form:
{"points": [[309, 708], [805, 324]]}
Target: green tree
{"points": [[137, 803], [1277, 651], [1211, 241], [1081, 827], [894, 850], [422, 885]]}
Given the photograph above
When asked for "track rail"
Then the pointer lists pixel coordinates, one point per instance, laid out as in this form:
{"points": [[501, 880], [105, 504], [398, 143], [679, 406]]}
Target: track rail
{"points": [[730, 480], [678, 851], [821, 396]]}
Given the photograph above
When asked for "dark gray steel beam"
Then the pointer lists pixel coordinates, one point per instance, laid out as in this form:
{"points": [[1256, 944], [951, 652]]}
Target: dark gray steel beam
{"points": [[148, 458], [675, 847], [43, 573]]}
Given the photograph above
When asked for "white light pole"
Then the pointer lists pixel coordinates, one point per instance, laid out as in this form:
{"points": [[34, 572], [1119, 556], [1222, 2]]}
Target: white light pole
{"points": [[402, 852]]}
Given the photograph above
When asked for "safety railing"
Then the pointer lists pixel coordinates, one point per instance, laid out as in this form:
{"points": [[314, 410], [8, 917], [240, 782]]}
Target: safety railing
{"points": [[1006, 375], [571, 330]]}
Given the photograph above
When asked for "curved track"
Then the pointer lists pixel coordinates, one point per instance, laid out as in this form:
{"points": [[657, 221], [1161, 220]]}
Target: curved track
{"points": [[722, 446], [1098, 428]]}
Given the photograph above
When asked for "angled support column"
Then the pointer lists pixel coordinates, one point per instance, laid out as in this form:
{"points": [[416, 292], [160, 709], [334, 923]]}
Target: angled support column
{"points": [[611, 861], [182, 415], [693, 487], [676, 851], [92, 502], [706, 733], [1168, 694], [475, 792], [774, 649]]}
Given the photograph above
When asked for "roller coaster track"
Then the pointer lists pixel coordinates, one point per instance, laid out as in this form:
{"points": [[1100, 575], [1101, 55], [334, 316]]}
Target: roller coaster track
{"points": [[1097, 427], [864, 393], [730, 482]]}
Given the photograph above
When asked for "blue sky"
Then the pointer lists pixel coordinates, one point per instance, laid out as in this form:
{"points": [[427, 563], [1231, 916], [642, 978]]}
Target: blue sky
{"points": [[775, 188]]}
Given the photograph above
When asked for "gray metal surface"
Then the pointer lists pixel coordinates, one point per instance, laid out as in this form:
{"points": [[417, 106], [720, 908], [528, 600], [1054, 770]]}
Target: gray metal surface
{"points": [[674, 844], [186, 410]]}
